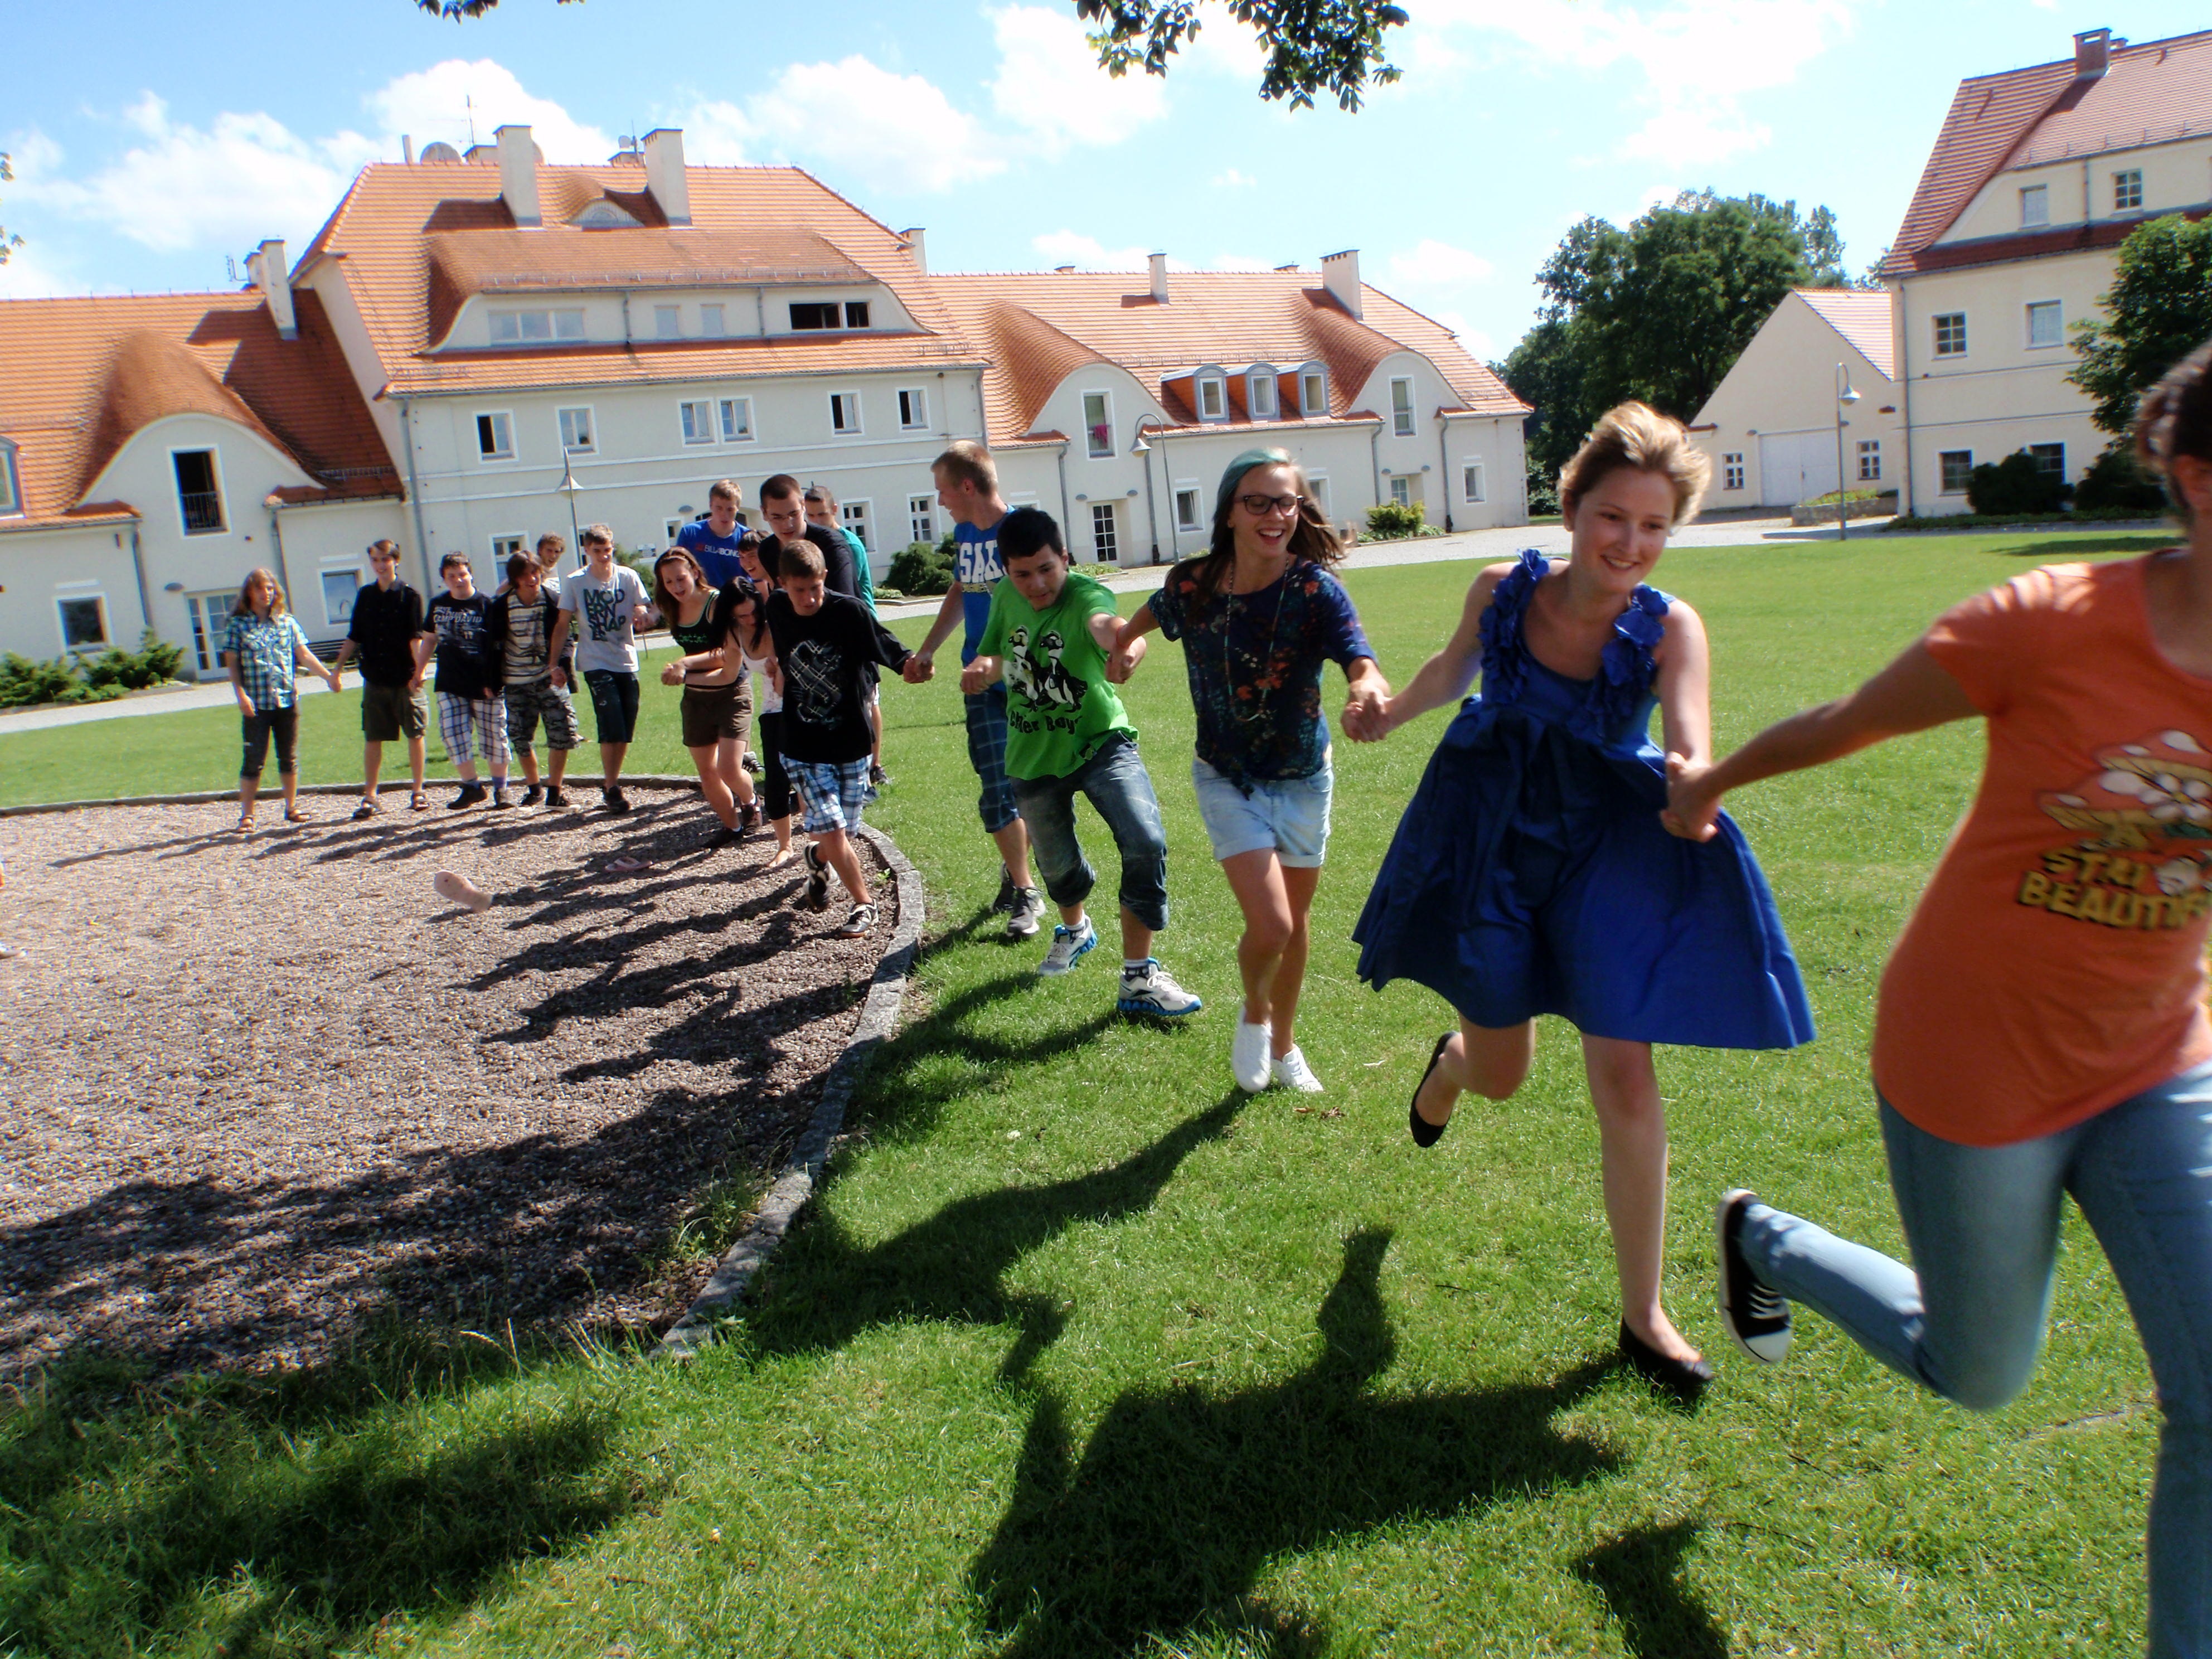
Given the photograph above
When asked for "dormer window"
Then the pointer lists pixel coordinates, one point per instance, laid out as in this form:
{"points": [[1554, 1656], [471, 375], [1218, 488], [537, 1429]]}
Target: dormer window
{"points": [[829, 313], [11, 488], [1259, 394], [1313, 393], [668, 322], [604, 214], [1212, 397], [532, 327], [856, 313]]}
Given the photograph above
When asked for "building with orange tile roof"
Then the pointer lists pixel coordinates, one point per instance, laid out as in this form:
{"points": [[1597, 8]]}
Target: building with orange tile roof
{"points": [[2037, 177]]}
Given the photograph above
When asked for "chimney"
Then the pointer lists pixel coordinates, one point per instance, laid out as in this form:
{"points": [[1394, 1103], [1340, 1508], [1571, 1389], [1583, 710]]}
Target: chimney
{"points": [[663, 173], [2092, 54], [1339, 274], [273, 278], [913, 237], [407, 148], [517, 174], [1160, 278]]}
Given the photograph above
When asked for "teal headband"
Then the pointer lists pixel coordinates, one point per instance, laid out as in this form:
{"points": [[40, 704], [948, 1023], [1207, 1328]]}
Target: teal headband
{"points": [[1240, 466]]}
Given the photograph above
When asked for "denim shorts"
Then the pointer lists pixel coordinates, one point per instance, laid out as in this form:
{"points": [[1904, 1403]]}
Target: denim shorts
{"points": [[1287, 815]]}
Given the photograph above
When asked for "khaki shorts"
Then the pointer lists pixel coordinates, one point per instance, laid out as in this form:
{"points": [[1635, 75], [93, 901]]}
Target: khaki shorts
{"points": [[389, 711], [714, 713]]}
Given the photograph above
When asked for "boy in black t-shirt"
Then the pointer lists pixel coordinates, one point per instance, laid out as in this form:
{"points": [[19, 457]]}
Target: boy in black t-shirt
{"points": [[826, 643], [518, 636], [388, 616], [469, 677]]}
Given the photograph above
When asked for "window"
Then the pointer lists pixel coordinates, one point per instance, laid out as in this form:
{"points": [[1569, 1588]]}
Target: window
{"points": [[1402, 408], [11, 493], [667, 323], [737, 418], [669, 530], [1313, 395], [2035, 205], [83, 619], [576, 431], [529, 327], [856, 313], [199, 494], [2049, 460], [211, 617], [811, 315], [922, 519], [1471, 482], [504, 548], [853, 515], [1259, 398], [1317, 487], [710, 322], [1870, 460], [1187, 509], [913, 409], [1958, 466], [2046, 324], [697, 418], [1097, 425], [2127, 191], [1402, 492], [844, 411], [1105, 538], [1212, 402], [1950, 333], [494, 437], [339, 589], [1732, 470]]}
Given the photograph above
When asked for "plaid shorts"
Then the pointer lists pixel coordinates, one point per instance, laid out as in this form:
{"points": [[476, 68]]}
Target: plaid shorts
{"points": [[986, 753], [486, 714], [527, 704], [834, 791]]}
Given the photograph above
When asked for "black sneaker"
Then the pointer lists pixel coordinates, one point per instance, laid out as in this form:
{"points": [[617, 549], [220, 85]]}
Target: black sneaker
{"points": [[1004, 904], [748, 816], [533, 794], [1756, 1316], [472, 795], [554, 797], [751, 762], [878, 778], [615, 799], [501, 798], [723, 836], [817, 880]]}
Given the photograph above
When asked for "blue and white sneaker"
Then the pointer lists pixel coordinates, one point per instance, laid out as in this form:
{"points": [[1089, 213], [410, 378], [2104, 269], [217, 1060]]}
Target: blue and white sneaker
{"points": [[1069, 946], [1149, 988]]}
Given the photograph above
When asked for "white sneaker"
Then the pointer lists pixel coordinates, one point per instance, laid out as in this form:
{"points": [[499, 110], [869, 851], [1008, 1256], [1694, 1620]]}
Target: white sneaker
{"points": [[1069, 946], [1149, 988], [1248, 1055], [1028, 914], [1290, 1072]]}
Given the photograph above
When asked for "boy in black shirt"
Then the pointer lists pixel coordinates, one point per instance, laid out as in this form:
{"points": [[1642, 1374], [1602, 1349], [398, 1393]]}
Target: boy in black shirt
{"points": [[387, 615], [518, 633], [826, 643], [469, 674]]}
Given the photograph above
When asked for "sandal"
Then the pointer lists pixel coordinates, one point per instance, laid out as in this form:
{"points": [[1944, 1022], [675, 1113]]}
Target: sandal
{"points": [[244, 825], [292, 815], [1424, 1132], [368, 809], [419, 801]]}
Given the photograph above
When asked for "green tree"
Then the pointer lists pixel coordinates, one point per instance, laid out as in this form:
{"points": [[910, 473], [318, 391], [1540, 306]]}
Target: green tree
{"points": [[2158, 311], [1332, 46], [7, 243], [1545, 372]]}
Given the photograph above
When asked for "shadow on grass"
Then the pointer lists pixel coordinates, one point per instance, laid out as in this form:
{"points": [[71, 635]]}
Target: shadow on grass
{"points": [[2080, 546], [1158, 1533], [290, 1515], [1640, 1575]]}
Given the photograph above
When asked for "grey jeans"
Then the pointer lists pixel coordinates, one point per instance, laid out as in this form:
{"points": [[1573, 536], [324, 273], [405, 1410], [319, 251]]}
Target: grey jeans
{"points": [[1114, 782]]}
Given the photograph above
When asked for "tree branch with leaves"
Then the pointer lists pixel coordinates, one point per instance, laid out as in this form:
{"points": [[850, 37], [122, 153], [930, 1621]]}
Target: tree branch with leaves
{"points": [[8, 243]]}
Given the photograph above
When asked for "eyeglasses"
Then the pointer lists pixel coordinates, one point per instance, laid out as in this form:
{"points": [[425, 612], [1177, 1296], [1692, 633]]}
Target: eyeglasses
{"points": [[1260, 505]]}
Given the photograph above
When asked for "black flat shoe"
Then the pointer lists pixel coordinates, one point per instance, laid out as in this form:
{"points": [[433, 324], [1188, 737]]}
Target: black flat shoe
{"points": [[1427, 1133], [1686, 1379]]}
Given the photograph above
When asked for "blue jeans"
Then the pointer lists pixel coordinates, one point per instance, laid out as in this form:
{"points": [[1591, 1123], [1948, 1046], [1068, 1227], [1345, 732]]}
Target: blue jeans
{"points": [[1982, 1223], [1115, 782]]}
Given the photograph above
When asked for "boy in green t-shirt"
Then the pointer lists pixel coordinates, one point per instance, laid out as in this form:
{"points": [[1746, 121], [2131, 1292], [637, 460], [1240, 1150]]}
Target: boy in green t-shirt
{"points": [[1048, 636]]}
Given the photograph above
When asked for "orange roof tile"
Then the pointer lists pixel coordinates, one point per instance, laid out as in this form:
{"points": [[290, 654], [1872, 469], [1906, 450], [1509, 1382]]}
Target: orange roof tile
{"points": [[83, 376], [1862, 317]]}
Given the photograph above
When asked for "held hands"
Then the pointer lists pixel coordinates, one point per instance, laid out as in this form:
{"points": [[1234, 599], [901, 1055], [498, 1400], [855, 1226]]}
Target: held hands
{"points": [[1692, 808], [331, 675], [918, 670], [1367, 714], [673, 674]]}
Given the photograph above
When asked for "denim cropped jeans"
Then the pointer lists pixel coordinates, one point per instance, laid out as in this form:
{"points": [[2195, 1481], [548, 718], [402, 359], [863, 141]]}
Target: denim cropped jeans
{"points": [[1115, 782], [1982, 1223]]}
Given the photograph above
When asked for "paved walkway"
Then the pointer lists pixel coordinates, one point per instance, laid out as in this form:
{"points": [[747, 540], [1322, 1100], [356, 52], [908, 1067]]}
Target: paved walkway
{"points": [[1488, 544]]}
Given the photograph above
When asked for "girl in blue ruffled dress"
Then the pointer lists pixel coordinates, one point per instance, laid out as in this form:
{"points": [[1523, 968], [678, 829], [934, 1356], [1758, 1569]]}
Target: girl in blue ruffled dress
{"points": [[1531, 874]]}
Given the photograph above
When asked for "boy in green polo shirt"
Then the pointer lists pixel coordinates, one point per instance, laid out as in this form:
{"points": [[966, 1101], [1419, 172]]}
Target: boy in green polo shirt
{"points": [[1048, 636]]}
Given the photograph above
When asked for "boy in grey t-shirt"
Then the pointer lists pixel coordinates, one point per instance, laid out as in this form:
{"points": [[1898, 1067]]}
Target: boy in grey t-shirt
{"points": [[606, 603]]}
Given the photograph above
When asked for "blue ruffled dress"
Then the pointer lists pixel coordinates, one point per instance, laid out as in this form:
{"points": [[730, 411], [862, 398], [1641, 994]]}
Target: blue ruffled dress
{"points": [[1531, 875]]}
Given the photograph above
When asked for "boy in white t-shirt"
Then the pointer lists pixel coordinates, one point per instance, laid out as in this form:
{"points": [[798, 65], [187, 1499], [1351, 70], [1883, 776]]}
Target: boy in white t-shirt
{"points": [[609, 604]]}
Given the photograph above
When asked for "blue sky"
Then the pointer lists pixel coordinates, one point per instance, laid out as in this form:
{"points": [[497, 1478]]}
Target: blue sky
{"points": [[151, 140]]}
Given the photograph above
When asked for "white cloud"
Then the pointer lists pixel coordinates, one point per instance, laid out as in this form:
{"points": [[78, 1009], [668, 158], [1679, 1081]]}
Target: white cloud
{"points": [[1072, 247], [877, 131], [718, 134], [1431, 263], [1050, 87], [1231, 178], [440, 103]]}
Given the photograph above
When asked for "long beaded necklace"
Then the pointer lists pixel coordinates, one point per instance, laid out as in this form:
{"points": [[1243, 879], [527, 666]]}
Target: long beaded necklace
{"points": [[1260, 665]]}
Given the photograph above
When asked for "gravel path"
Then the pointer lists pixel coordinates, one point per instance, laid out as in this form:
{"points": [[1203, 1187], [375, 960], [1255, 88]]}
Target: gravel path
{"points": [[258, 1095]]}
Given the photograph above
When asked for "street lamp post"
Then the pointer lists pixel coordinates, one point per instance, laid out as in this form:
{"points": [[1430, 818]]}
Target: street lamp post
{"points": [[1844, 398], [1143, 451], [569, 487]]}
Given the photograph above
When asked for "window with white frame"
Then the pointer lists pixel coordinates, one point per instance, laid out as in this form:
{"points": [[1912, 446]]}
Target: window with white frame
{"points": [[668, 322], [1313, 394], [1105, 532], [710, 322], [1402, 408], [578, 435], [505, 547], [914, 408], [2046, 324], [199, 491], [1471, 482], [1212, 399], [922, 519], [340, 585], [1260, 397], [83, 618], [807, 313], [1402, 492], [736, 415], [536, 326], [1950, 333], [1956, 467], [853, 515], [2127, 191], [856, 313], [845, 411], [1189, 495], [1732, 470], [2035, 206], [669, 530], [11, 488], [495, 436], [2049, 460], [1097, 425], [1317, 490], [696, 418], [1870, 460]]}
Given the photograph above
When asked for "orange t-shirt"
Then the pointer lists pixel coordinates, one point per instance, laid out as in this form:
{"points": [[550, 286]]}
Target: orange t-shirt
{"points": [[2055, 964]]}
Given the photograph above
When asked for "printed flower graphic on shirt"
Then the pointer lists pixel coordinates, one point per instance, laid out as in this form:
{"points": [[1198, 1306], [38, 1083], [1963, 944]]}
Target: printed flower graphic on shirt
{"points": [[2156, 790]]}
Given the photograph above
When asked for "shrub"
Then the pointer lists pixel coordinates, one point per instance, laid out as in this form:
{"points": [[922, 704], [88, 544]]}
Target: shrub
{"points": [[24, 684], [2117, 482], [2014, 484], [1386, 522], [153, 663], [922, 568], [1543, 497]]}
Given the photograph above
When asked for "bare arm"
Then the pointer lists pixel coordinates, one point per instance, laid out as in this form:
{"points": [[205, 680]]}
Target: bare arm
{"points": [[1367, 693], [948, 615], [553, 638], [302, 657], [1445, 677], [1912, 694], [1684, 685], [238, 683]]}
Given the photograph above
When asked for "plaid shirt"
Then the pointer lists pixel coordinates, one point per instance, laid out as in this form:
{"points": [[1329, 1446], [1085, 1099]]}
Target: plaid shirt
{"points": [[263, 652]]}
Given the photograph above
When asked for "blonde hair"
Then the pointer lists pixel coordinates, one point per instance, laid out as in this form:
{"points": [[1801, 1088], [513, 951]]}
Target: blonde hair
{"points": [[2175, 418], [1636, 435], [244, 606], [966, 461]]}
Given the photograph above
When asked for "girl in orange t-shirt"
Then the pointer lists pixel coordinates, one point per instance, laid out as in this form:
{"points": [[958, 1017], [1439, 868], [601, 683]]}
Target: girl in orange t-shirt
{"points": [[2041, 1027]]}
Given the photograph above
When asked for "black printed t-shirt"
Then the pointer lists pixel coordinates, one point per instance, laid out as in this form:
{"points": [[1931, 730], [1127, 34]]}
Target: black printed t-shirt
{"points": [[825, 660], [383, 628], [465, 664]]}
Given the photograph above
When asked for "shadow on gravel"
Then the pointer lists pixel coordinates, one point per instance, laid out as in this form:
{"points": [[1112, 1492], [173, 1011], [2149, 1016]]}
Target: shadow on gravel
{"points": [[1153, 1534]]}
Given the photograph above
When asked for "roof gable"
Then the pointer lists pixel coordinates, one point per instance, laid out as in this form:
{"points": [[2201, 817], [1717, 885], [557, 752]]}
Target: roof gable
{"points": [[1863, 317]]}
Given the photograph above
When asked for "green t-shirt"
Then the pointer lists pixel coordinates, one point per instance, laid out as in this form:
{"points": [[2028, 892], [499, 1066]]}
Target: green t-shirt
{"points": [[1059, 707]]}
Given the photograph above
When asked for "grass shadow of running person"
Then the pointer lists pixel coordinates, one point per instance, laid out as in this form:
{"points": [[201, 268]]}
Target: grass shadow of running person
{"points": [[1639, 1574], [1156, 1536]]}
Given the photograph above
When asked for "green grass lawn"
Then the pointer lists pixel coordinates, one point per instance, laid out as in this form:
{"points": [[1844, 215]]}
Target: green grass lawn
{"points": [[1082, 1352]]}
